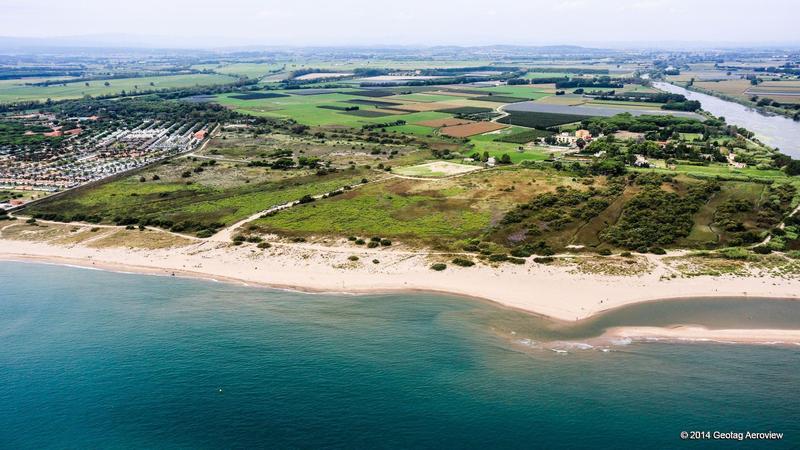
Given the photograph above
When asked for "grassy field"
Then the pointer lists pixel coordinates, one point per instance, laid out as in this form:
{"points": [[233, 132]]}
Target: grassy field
{"points": [[489, 143], [222, 194], [306, 109], [16, 92], [249, 70], [435, 213]]}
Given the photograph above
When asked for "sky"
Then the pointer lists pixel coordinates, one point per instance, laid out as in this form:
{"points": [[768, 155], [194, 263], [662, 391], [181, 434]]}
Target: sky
{"points": [[220, 23]]}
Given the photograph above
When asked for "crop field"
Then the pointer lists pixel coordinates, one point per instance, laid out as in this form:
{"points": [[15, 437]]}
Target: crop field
{"points": [[13, 93], [331, 107], [436, 169], [530, 92], [423, 106], [257, 95], [569, 100], [305, 110], [523, 137], [499, 99], [470, 129], [735, 88], [596, 110], [323, 75], [465, 110], [449, 122], [540, 119], [539, 75], [376, 103], [249, 70], [373, 93]]}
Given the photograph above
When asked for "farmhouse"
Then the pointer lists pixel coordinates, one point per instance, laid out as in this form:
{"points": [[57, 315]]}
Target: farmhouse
{"points": [[566, 138], [641, 161]]}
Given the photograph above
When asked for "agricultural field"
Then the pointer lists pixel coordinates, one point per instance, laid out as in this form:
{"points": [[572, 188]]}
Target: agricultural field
{"points": [[249, 70], [596, 110], [419, 111], [532, 119], [16, 92], [471, 129], [735, 88]]}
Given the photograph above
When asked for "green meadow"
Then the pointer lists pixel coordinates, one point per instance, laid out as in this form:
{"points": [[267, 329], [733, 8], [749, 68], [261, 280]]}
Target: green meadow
{"points": [[13, 92]]}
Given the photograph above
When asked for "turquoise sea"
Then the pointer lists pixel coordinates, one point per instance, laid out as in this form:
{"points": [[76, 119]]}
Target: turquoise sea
{"points": [[92, 359]]}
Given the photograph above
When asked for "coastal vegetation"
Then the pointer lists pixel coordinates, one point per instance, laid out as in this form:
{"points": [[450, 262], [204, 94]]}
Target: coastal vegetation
{"points": [[320, 152]]}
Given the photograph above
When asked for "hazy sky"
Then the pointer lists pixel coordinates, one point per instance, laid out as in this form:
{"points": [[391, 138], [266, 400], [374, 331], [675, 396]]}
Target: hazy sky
{"points": [[427, 22]]}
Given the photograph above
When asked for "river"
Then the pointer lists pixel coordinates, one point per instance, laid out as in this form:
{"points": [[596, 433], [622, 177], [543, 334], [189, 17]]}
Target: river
{"points": [[777, 131]]}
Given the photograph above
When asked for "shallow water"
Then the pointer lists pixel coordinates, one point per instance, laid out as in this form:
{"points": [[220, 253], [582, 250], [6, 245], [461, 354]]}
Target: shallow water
{"points": [[104, 360]]}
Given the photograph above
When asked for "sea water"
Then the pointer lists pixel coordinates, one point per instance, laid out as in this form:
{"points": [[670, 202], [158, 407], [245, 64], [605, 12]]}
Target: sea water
{"points": [[92, 359]]}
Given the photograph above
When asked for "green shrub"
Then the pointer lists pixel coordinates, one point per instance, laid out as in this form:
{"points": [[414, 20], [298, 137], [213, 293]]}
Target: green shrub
{"points": [[353, 258], [497, 257], [516, 260], [360, 242], [762, 250], [375, 261], [386, 242], [439, 267], [543, 259], [463, 262], [205, 233], [521, 252], [604, 252], [734, 253], [373, 244], [658, 251], [625, 254], [264, 245]]}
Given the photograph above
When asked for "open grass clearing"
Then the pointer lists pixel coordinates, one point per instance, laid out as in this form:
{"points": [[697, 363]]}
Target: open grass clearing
{"points": [[436, 169]]}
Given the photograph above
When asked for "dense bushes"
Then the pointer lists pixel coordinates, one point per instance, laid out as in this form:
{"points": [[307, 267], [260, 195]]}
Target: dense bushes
{"points": [[658, 217]]}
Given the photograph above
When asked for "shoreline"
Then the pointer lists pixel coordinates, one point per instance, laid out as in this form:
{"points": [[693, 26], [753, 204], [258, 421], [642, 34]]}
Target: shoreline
{"points": [[533, 289]]}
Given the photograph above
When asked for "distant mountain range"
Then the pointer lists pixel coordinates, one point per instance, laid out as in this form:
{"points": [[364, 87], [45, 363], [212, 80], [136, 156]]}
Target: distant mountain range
{"points": [[109, 43]]}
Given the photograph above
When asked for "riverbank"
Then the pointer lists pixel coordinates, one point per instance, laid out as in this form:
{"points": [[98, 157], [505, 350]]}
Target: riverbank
{"points": [[776, 131], [558, 291]]}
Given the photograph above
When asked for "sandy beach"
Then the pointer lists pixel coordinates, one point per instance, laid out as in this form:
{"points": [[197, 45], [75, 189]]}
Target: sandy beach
{"points": [[701, 334], [556, 291]]}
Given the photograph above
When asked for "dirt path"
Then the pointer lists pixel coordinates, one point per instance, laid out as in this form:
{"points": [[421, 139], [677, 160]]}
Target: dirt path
{"points": [[781, 226], [97, 225], [500, 111], [226, 234]]}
